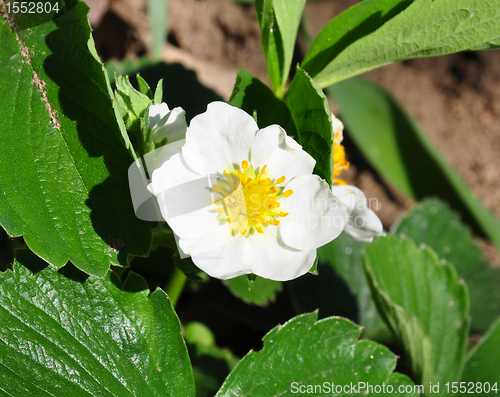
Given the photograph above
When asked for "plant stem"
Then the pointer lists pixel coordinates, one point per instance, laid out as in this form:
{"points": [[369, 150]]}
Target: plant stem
{"points": [[175, 285]]}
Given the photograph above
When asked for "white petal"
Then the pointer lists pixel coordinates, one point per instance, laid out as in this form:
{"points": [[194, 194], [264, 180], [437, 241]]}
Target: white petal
{"points": [[223, 135], [217, 235], [172, 173], [315, 217], [268, 256], [184, 198], [281, 154], [225, 261], [363, 223], [145, 204], [172, 126], [157, 157], [337, 128], [157, 112]]}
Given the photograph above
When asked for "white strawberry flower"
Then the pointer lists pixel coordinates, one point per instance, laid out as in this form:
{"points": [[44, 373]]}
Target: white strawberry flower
{"points": [[363, 224], [166, 123], [244, 200]]}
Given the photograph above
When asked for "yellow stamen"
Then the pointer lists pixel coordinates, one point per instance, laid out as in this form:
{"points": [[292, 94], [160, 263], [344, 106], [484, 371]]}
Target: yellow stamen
{"points": [[250, 199], [258, 218], [339, 159], [283, 214]]}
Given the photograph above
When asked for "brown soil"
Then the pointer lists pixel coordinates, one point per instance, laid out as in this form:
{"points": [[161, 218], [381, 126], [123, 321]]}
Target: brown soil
{"points": [[455, 98]]}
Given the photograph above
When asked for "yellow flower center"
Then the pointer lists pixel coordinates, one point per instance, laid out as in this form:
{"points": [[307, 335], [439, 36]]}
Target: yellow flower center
{"points": [[339, 161], [250, 199]]}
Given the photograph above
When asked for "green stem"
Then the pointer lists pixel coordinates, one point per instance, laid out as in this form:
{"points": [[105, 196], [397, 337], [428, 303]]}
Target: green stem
{"points": [[140, 142], [278, 91], [175, 285]]}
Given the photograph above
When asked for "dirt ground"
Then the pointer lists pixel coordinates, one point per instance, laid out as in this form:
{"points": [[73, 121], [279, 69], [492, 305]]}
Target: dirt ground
{"points": [[455, 98]]}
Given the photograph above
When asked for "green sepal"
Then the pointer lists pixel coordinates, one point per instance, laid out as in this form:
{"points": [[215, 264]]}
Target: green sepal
{"points": [[158, 97], [314, 267], [144, 87], [132, 103], [163, 236], [251, 280]]}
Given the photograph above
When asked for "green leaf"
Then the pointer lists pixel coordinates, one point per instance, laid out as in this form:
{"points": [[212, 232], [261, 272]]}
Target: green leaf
{"points": [[424, 304], [158, 17], [63, 171], [211, 364], [351, 297], [304, 352], [401, 152], [327, 293], [483, 364], [86, 336], [279, 22], [313, 121], [380, 35], [434, 224], [251, 95], [261, 293], [351, 25], [6, 251]]}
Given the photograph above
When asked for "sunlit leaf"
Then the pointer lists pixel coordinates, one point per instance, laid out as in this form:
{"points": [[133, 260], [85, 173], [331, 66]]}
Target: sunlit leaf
{"points": [[279, 22], [63, 169], [77, 335], [424, 304], [434, 224], [313, 121], [351, 25], [483, 364], [304, 353], [377, 33]]}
